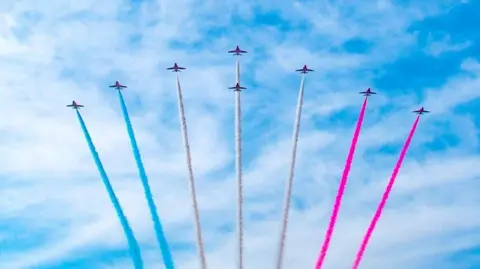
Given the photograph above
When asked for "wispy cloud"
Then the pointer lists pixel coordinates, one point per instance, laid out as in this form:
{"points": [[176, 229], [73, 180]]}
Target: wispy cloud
{"points": [[437, 46]]}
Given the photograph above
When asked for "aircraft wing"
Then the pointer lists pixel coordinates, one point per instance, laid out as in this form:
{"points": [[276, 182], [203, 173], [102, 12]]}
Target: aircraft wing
{"points": [[170, 68]]}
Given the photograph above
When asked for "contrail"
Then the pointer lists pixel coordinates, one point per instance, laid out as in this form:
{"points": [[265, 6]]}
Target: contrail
{"points": [[341, 189], [132, 242], [238, 164], [162, 241], [378, 213], [288, 193], [238, 156], [198, 228]]}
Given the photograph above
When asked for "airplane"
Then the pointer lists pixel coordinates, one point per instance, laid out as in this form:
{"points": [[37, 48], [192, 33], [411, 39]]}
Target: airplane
{"points": [[421, 111], [304, 70], [237, 51], [368, 92], [117, 86], [237, 88], [74, 105], [176, 68]]}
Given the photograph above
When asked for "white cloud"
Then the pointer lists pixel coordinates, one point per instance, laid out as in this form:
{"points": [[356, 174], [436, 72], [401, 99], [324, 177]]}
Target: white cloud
{"points": [[436, 47]]}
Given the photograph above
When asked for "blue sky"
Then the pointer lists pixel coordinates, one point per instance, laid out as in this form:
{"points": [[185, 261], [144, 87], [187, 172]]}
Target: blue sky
{"points": [[55, 212]]}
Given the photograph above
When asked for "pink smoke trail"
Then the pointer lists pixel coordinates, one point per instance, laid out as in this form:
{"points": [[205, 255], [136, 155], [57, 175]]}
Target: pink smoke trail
{"points": [[341, 189], [378, 213]]}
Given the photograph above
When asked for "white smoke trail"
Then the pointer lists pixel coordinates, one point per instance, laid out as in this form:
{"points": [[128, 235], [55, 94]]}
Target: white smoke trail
{"points": [[198, 228], [288, 192], [238, 164]]}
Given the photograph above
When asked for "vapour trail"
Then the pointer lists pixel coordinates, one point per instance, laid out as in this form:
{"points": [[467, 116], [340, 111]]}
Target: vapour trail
{"points": [[341, 189], [157, 225], [288, 192], [238, 165], [379, 211], [198, 228], [133, 246]]}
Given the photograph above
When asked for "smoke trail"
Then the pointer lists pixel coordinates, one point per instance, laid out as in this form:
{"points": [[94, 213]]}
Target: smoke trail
{"points": [[341, 189], [288, 193], [379, 211], [162, 241], [198, 228], [132, 242], [238, 164]]}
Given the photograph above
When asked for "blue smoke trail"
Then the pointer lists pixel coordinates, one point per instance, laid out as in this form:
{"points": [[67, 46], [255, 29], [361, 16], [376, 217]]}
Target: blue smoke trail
{"points": [[162, 241], [132, 242]]}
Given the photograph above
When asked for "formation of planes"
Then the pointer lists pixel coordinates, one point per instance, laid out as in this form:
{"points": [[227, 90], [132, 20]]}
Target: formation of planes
{"points": [[237, 87]]}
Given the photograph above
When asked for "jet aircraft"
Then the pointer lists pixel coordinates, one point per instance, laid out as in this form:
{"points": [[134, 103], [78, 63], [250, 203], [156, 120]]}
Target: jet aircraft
{"points": [[368, 92], [237, 88], [176, 68], [421, 111], [74, 105], [304, 70], [117, 86], [237, 51]]}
